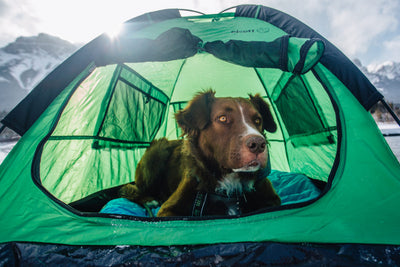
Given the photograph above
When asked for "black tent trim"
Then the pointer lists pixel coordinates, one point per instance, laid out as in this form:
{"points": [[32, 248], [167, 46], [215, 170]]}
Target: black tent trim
{"points": [[333, 58]]}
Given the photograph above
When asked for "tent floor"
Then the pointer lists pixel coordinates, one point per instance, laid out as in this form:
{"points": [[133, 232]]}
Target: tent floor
{"points": [[237, 254]]}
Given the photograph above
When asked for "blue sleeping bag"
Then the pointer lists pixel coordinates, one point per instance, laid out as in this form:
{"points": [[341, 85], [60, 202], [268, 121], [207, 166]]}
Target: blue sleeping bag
{"points": [[291, 188]]}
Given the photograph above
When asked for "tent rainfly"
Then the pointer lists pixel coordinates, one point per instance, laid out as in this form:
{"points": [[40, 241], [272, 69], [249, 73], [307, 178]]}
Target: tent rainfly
{"points": [[87, 124]]}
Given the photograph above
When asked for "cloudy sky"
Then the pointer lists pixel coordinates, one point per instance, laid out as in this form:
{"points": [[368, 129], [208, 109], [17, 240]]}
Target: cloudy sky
{"points": [[365, 29]]}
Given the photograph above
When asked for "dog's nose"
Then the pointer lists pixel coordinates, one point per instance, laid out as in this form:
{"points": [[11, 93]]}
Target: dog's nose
{"points": [[256, 144]]}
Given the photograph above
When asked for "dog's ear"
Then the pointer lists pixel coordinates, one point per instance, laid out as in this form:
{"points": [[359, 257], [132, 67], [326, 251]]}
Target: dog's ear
{"points": [[196, 115], [263, 107]]}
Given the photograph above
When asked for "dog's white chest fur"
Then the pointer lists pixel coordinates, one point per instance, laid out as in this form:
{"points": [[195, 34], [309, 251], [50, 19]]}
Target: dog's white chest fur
{"points": [[231, 185]]}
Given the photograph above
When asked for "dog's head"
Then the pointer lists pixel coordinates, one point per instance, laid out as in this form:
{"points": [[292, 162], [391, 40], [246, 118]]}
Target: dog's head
{"points": [[229, 130]]}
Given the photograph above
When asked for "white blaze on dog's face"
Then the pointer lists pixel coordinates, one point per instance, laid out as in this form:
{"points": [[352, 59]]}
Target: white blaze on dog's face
{"points": [[234, 136]]}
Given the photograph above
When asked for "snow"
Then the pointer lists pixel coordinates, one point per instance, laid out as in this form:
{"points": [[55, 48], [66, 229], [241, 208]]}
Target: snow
{"points": [[389, 69], [378, 67], [6, 57], [390, 125], [40, 62], [5, 148]]}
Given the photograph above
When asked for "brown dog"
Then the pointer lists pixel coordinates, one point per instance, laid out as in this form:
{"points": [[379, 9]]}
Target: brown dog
{"points": [[219, 169]]}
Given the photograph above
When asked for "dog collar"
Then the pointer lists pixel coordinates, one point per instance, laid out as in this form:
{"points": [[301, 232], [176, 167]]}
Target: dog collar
{"points": [[199, 204]]}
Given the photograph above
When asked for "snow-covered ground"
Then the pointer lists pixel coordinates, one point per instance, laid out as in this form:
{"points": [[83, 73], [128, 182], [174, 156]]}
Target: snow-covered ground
{"points": [[392, 132], [394, 143], [5, 148], [389, 128]]}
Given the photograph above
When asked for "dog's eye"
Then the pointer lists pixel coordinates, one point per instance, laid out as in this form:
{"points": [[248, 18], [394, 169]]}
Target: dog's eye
{"points": [[257, 121], [223, 118]]}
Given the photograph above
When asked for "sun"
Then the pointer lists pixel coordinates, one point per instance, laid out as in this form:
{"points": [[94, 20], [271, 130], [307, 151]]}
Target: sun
{"points": [[113, 30], [91, 19]]}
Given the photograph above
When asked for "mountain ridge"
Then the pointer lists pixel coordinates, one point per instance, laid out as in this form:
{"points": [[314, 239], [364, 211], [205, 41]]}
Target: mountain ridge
{"points": [[25, 62], [385, 77]]}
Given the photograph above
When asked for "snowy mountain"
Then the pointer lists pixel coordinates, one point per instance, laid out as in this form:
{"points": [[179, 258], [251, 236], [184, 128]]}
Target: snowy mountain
{"points": [[26, 62], [385, 77]]}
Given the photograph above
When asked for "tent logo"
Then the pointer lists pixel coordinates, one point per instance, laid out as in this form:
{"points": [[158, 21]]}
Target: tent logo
{"points": [[259, 30], [263, 30], [243, 31]]}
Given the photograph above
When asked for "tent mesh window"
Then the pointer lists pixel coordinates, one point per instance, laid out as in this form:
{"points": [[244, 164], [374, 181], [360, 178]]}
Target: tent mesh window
{"points": [[128, 111], [300, 114], [135, 111]]}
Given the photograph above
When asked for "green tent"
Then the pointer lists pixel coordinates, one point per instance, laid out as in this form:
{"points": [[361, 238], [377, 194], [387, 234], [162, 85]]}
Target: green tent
{"points": [[87, 124]]}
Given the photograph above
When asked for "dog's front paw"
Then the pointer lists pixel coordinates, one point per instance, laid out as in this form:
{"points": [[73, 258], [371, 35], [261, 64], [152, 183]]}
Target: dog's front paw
{"points": [[274, 201], [152, 204], [165, 213]]}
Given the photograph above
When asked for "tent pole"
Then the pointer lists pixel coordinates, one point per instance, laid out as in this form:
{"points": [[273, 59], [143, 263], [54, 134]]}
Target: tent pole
{"points": [[390, 111]]}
